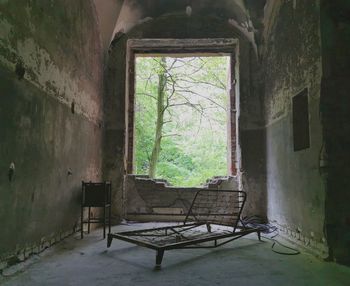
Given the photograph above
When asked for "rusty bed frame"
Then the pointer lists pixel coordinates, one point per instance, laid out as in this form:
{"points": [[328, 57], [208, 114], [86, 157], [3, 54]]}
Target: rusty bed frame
{"points": [[214, 215]]}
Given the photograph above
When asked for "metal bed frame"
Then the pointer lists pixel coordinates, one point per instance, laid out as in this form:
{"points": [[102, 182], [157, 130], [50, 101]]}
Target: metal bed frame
{"points": [[214, 215]]}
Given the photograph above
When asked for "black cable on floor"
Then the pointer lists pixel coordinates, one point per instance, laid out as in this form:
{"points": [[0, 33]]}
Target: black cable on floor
{"points": [[295, 251], [259, 223]]}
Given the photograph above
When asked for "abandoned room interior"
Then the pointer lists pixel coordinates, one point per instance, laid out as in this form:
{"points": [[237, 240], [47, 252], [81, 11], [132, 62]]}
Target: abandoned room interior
{"points": [[68, 108]]}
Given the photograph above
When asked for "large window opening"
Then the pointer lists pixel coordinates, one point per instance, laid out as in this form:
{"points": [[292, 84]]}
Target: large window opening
{"points": [[182, 110], [181, 115]]}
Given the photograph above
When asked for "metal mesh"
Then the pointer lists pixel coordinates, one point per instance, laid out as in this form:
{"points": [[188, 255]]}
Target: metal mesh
{"points": [[170, 235], [211, 216], [217, 207]]}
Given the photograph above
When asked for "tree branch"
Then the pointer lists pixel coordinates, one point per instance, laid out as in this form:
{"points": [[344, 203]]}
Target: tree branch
{"points": [[170, 135], [200, 95], [147, 94], [193, 81]]}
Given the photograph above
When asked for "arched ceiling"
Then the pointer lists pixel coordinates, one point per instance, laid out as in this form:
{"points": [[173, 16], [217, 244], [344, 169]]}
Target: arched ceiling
{"points": [[122, 15]]}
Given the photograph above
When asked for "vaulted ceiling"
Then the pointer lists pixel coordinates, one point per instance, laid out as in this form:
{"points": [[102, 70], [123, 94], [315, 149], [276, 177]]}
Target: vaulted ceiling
{"points": [[122, 15]]}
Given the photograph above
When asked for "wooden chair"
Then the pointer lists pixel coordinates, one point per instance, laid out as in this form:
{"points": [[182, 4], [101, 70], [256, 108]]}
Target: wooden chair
{"points": [[96, 195]]}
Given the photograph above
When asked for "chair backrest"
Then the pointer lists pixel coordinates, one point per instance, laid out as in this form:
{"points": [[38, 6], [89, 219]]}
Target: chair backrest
{"points": [[222, 207], [96, 194]]}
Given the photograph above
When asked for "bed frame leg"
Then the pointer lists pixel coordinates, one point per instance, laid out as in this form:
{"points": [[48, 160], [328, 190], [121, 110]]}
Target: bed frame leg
{"points": [[159, 259], [259, 235], [208, 227], [109, 240]]}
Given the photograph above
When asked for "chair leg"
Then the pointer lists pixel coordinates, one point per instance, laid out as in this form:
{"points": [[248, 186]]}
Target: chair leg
{"points": [[109, 218], [104, 222], [159, 258], [82, 223], [89, 217]]}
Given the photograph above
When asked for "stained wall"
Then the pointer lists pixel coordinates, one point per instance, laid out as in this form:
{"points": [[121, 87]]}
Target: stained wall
{"points": [[292, 61], [50, 119], [334, 109]]}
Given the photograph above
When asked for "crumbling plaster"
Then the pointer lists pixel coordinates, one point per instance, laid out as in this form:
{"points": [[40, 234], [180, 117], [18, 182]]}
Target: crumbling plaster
{"points": [[50, 120], [52, 65], [292, 61], [136, 12], [154, 199], [181, 26]]}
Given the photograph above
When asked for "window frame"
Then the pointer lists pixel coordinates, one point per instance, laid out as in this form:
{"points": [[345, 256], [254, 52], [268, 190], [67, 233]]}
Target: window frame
{"points": [[188, 47]]}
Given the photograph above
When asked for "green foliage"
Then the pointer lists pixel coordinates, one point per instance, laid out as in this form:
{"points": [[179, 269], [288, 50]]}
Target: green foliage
{"points": [[194, 142]]}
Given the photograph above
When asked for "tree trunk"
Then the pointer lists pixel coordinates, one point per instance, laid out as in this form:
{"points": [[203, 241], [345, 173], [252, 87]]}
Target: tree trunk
{"points": [[160, 118]]}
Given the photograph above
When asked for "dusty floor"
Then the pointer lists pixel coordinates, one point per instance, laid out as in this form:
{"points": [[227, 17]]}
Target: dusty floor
{"points": [[243, 262]]}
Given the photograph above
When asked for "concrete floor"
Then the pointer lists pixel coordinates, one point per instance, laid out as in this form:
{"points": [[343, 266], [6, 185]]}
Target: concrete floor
{"points": [[243, 262]]}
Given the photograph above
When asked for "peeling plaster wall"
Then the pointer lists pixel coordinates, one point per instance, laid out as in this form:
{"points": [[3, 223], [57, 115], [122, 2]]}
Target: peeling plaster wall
{"points": [[50, 119], [335, 102], [181, 26], [292, 62], [55, 50]]}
